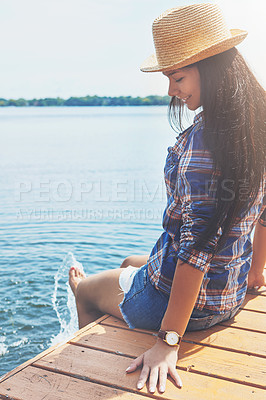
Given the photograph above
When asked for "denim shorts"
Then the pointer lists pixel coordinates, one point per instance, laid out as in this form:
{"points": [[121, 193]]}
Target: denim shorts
{"points": [[144, 306]]}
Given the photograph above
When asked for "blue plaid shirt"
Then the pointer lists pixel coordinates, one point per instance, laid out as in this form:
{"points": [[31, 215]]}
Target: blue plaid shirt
{"points": [[191, 203]]}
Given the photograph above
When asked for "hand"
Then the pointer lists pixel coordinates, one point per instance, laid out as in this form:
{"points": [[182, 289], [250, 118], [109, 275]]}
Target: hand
{"points": [[256, 280], [156, 363]]}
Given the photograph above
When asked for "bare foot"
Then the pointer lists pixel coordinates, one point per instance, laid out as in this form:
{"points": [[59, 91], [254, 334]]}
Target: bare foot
{"points": [[75, 276]]}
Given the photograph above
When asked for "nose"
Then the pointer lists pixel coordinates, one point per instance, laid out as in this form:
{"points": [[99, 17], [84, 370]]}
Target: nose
{"points": [[173, 90]]}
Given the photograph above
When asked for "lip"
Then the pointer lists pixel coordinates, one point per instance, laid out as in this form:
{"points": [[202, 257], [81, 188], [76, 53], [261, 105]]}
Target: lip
{"points": [[186, 99]]}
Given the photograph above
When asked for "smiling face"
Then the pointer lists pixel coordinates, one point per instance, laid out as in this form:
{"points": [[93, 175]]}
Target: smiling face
{"points": [[184, 83]]}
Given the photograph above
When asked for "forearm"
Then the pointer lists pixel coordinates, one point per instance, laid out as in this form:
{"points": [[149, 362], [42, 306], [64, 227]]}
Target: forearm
{"points": [[259, 250], [185, 289]]}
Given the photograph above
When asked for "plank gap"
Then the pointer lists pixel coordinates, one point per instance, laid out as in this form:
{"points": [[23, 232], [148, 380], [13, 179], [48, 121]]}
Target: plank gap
{"points": [[209, 374], [252, 309], [240, 327], [248, 353]]}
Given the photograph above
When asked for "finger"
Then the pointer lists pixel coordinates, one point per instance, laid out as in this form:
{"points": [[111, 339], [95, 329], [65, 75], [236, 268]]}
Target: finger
{"points": [[153, 379], [143, 377], [135, 364], [175, 376], [162, 379]]}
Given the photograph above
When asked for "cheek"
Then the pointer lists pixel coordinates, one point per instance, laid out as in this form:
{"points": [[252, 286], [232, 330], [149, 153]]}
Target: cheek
{"points": [[197, 83], [195, 87], [195, 91], [198, 91]]}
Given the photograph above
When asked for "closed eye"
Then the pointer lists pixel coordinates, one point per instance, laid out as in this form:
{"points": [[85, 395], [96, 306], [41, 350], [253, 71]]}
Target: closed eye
{"points": [[178, 80]]}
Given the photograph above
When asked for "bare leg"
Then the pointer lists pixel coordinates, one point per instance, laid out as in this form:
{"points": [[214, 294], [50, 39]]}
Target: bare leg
{"points": [[96, 295], [84, 318], [135, 261]]}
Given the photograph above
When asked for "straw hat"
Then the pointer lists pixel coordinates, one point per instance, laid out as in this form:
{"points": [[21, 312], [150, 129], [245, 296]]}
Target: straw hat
{"points": [[185, 35]]}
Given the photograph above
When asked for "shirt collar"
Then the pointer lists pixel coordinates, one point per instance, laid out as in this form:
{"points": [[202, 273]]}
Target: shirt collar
{"points": [[198, 118]]}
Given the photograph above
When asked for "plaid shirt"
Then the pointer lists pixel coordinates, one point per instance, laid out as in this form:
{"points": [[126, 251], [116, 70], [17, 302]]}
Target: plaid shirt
{"points": [[191, 203]]}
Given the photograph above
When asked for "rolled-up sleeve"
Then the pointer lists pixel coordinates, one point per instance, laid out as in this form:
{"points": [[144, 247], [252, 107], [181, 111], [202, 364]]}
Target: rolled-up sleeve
{"points": [[198, 202]]}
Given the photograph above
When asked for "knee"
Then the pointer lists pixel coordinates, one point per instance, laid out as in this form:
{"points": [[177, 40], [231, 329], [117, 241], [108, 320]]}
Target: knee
{"points": [[127, 261]]}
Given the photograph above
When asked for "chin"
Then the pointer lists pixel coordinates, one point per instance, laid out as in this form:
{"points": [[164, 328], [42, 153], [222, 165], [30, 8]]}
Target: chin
{"points": [[192, 107]]}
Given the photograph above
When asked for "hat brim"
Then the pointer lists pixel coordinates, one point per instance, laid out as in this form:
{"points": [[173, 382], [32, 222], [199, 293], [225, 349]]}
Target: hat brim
{"points": [[237, 36]]}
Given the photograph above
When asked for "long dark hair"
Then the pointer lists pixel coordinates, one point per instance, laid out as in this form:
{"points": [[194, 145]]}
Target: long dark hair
{"points": [[233, 105]]}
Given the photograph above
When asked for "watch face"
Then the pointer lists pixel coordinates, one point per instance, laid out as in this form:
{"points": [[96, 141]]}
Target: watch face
{"points": [[172, 338]]}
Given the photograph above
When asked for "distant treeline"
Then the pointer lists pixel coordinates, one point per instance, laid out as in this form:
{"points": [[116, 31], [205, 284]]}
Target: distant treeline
{"points": [[88, 101]]}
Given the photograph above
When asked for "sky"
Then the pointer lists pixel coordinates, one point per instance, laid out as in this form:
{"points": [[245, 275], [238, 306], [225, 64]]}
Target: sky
{"points": [[66, 48]]}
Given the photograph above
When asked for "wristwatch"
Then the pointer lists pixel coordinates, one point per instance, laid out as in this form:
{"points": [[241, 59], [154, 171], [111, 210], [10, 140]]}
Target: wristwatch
{"points": [[170, 337]]}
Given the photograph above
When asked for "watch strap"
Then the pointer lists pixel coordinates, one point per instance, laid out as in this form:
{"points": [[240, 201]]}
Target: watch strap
{"points": [[162, 334]]}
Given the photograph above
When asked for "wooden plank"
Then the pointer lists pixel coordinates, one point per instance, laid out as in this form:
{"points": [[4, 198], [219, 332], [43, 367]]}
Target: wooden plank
{"points": [[110, 369], [217, 336], [253, 302], [119, 341], [248, 320], [113, 321], [36, 384], [232, 339], [50, 349], [261, 291], [207, 360]]}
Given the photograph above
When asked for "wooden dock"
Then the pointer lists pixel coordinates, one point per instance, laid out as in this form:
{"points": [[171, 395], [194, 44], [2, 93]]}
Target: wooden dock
{"points": [[227, 361]]}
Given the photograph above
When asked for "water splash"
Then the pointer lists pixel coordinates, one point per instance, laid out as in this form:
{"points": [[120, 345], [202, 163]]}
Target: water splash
{"points": [[3, 346], [20, 342], [63, 300]]}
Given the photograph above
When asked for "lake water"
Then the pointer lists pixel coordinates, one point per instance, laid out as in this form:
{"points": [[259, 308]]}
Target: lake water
{"points": [[81, 184]]}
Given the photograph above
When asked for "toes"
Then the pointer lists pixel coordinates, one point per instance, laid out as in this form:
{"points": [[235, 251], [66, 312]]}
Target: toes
{"points": [[80, 274], [72, 272]]}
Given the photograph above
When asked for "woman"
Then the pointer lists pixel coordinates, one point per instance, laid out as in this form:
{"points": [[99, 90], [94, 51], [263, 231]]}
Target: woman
{"points": [[198, 271]]}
